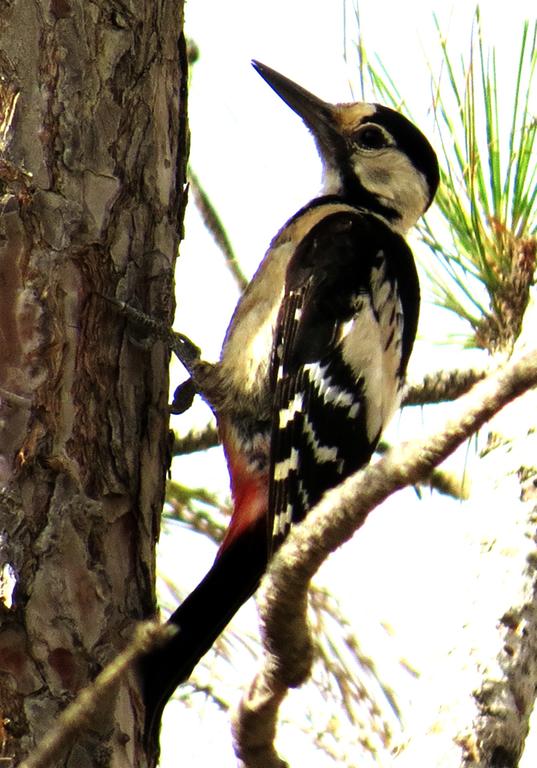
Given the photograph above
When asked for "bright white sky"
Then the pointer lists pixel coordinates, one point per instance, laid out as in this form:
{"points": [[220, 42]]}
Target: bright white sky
{"points": [[257, 163]]}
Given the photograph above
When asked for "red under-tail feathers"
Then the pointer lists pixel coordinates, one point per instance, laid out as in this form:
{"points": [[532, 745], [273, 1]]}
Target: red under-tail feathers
{"points": [[234, 576]]}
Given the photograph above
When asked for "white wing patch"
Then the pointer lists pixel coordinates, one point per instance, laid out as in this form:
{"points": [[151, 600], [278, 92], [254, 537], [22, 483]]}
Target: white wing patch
{"points": [[283, 468], [283, 520], [372, 346], [323, 453], [341, 398], [288, 414]]}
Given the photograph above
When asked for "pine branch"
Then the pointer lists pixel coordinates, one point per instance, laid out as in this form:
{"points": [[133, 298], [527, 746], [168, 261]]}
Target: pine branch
{"points": [[442, 386], [283, 598], [195, 441], [447, 483]]}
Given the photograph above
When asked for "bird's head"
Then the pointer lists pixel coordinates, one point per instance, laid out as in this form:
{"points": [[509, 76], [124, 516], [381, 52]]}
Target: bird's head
{"points": [[372, 155]]}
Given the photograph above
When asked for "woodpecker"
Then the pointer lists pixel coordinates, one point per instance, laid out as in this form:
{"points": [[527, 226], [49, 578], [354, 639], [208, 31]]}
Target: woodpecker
{"points": [[314, 359]]}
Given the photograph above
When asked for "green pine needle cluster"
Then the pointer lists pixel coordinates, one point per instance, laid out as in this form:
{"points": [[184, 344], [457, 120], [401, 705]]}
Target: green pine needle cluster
{"points": [[485, 241]]}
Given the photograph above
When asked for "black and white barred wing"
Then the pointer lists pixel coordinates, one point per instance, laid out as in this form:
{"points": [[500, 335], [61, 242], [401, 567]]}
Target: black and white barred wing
{"points": [[341, 346]]}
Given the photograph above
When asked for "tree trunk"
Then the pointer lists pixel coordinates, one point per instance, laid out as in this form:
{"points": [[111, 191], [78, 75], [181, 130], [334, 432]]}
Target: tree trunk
{"points": [[92, 168]]}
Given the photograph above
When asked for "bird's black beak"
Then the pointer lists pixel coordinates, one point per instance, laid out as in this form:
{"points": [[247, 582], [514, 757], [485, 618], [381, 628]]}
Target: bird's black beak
{"points": [[317, 114]]}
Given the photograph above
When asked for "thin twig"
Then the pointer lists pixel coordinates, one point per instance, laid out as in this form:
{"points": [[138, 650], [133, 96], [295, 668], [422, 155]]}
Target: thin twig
{"points": [[12, 398], [79, 713], [198, 520], [283, 599], [214, 224], [349, 679], [195, 441]]}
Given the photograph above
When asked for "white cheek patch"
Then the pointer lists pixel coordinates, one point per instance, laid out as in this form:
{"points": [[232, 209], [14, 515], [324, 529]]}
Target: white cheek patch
{"points": [[390, 176]]}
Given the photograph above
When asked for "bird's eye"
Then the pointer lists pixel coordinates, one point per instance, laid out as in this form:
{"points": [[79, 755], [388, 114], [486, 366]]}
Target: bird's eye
{"points": [[370, 137]]}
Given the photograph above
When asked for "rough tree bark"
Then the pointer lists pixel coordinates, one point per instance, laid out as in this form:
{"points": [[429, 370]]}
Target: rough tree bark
{"points": [[92, 172]]}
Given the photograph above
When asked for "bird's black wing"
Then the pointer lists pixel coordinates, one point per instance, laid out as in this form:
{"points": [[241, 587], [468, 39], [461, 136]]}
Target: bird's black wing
{"points": [[343, 338]]}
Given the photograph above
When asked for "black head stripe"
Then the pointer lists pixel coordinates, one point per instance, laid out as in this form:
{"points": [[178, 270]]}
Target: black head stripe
{"points": [[411, 141]]}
